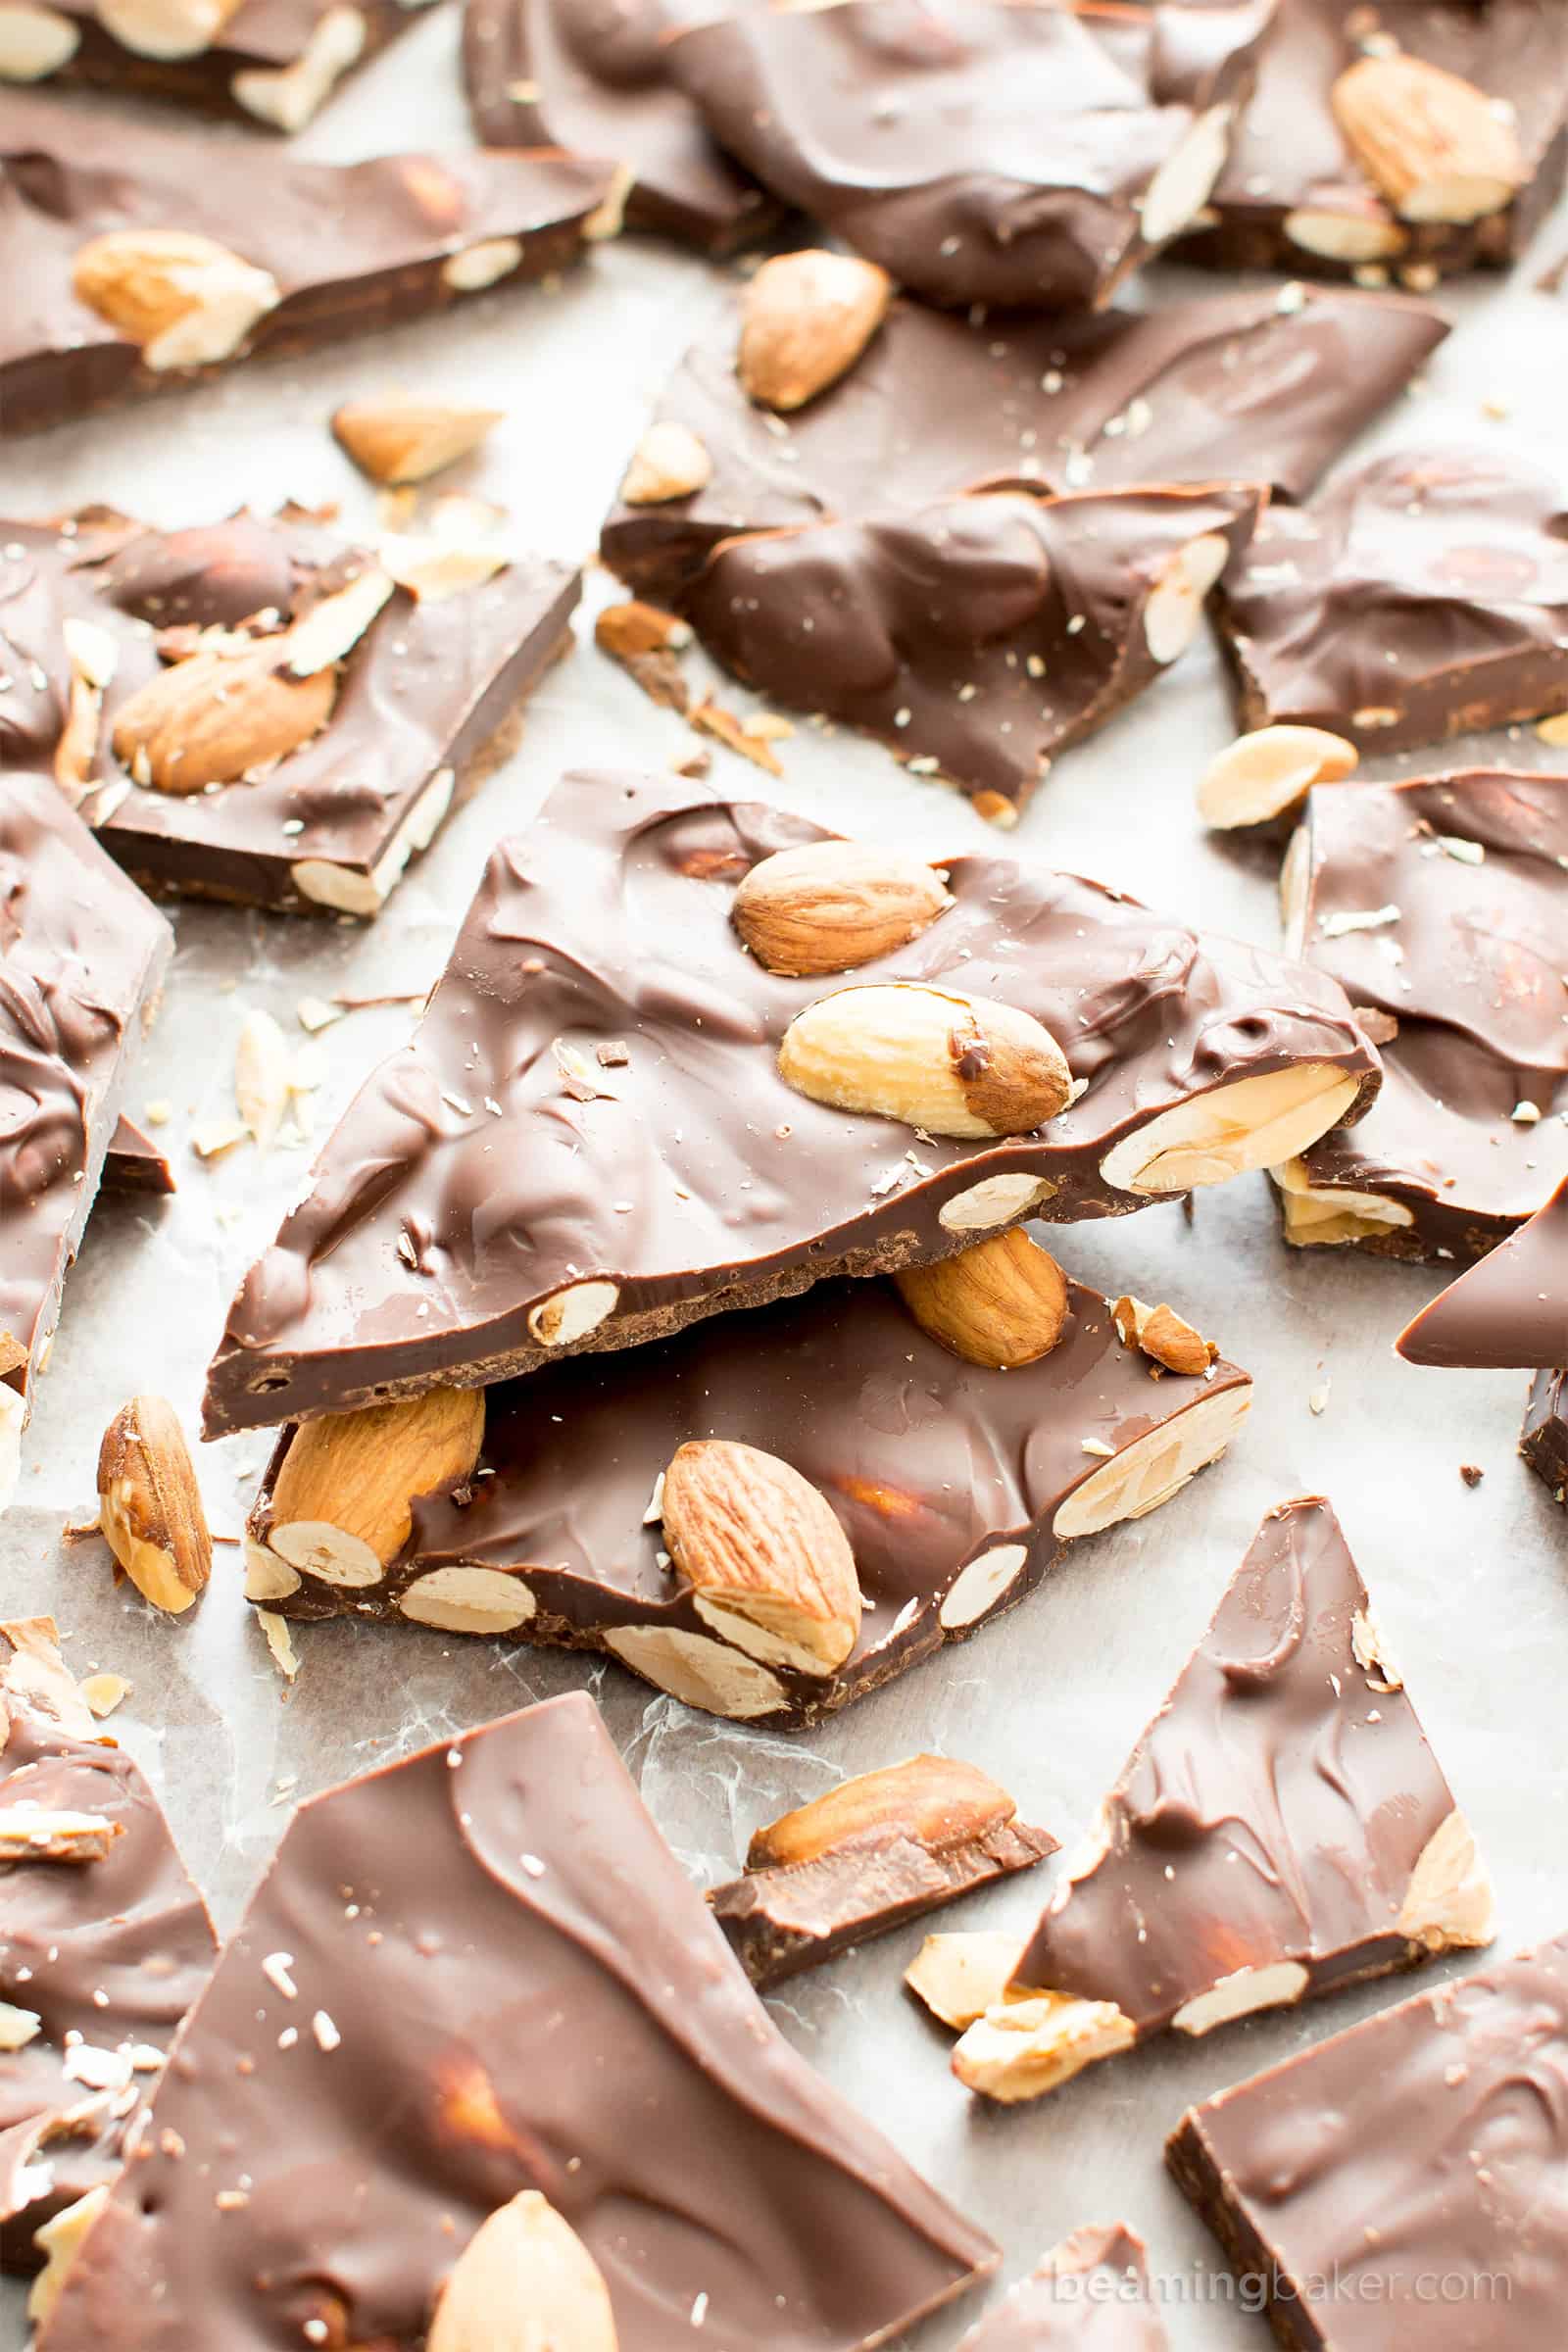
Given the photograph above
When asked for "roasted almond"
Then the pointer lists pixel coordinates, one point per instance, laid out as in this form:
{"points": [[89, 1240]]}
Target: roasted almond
{"points": [[409, 440], [1001, 1303], [524, 2283], [830, 905], [949, 1063], [216, 717], [960, 1976], [342, 1502], [753, 742], [1164, 1336], [165, 29], [1437, 147], [184, 300], [805, 322], [648, 644], [935, 1801], [150, 1506], [1269, 772], [769, 1566], [668, 461]]}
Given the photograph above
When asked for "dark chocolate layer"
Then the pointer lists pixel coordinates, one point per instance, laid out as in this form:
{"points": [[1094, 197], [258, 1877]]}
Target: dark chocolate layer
{"points": [[477, 1971], [1510, 1309], [1544, 1439], [1090, 2294], [135, 1164]]}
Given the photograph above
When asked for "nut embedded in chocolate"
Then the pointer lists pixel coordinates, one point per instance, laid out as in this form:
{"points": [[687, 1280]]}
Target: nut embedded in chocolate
{"points": [[948, 1064], [769, 1566], [401, 441], [1269, 773], [1092, 2293], [1001, 1302], [1437, 147], [525, 2266], [805, 317], [343, 1503]]}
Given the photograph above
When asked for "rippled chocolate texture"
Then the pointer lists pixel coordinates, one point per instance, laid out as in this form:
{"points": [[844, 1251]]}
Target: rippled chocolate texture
{"points": [[461, 1977], [1544, 1440], [347, 247], [1403, 2181], [979, 638], [1293, 195], [1509, 1310], [428, 701], [957, 1486], [1443, 904], [596, 79], [1091, 2294], [1026, 156], [471, 1183], [1419, 598], [1260, 387], [1281, 1828], [102, 1959], [82, 956]]}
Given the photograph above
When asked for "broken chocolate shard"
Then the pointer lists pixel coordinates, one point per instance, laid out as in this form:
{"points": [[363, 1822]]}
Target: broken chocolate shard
{"points": [[1442, 903], [1544, 1440], [182, 254], [1090, 2294], [436, 2001], [865, 1857], [1025, 158], [1401, 2179], [99, 1961], [82, 956], [1509, 1310], [1418, 598], [539, 1224], [1343, 1874], [155, 675], [555, 1532], [135, 1164], [597, 81]]}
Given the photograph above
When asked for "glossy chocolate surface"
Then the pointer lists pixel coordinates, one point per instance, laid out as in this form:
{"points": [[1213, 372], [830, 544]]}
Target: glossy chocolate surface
{"points": [[1275, 1811], [981, 153], [497, 1967], [423, 696], [1419, 598], [1259, 387], [82, 956], [1544, 1439], [1464, 880], [351, 247], [1403, 2181], [1090, 2294], [595, 78], [1511, 1309], [470, 1181]]}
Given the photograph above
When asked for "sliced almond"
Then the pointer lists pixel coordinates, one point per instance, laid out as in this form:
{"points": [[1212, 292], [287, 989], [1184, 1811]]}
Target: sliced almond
{"points": [[981, 1585], [164, 28], [1174, 607], [1001, 1303], [262, 1076], [830, 906], [936, 1801], [741, 735], [184, 300], [949, 1063], [668, 461], [1252, 1123], [18, 2026], [481, 265], [1186, 179], [342, 1502], [804, 321], [570, 1316], [524, 2283], [409, 440], [697, 1671], [995, 1200], [469, 1599], [60, 2241], [150, 1506], [648, 644], [329, 629], [960, 1977], [1023, 2047], [769, 1566], [1269, 772], [1164, 1336], [1437, 147], [37, 1834], [216, 719], [35, 41]]}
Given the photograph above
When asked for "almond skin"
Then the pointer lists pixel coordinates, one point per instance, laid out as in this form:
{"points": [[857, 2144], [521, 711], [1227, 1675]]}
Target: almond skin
{"points": [[1001, 1303], [805, 319], [1164, 1336], [183, 299], [342, 1502], [1430, 141], [1269, 772], [150, 1506], [935, 1801], [216, 717], [668, 461], [830, 906], [949, 1063], [524, 2283], [409, 440], [769, 1565]]}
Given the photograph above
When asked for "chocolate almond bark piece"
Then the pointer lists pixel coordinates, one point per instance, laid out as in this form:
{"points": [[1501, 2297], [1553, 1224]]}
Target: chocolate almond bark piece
{"points": [[869, 1854], [474, 1958], [1441, 905], [541, 1516], [1281, 1828], [135, 1162], [1023, 156], [591, 1139], [597, 81], [1403, 2181], [1263, 387], [1510, 1309], [82, 956], [259, 710], [99, 1959], [1544, 1440], [1297, 191], [181, 253], [1090, 2294], [978, 638], [1419, 598]]}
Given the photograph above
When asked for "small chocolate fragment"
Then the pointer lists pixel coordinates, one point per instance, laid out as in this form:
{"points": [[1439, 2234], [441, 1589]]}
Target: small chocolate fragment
{"points": [[1511, 1309], [490, 1942], [1402, 2181], [135, 1162], [873, 1853], [596, 80], [1421, 597], [177, 255], [99, 1960], [1442, 903], [1544, 1440], [1090, 2294], [1029, 158], [473, 1218], [1281, 1828]]}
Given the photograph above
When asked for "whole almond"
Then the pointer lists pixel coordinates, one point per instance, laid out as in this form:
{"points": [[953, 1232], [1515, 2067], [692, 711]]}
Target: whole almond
{"points": [[949, 1063], [217, 717], [1434, 144], [1001, 1303], [805, 322], [1269, 772], [185, 300], [1164, 1336], [668, 461], [342, 1502], [409, 440], [769, 1566], [830, 905], [934, 1801], [150, 1506], [524, 2283]]}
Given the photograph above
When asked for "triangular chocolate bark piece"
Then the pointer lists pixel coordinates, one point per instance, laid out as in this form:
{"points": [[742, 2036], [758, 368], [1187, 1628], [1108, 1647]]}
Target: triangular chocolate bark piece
{"points": [[1508, 1312], [1090, 2294]]}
